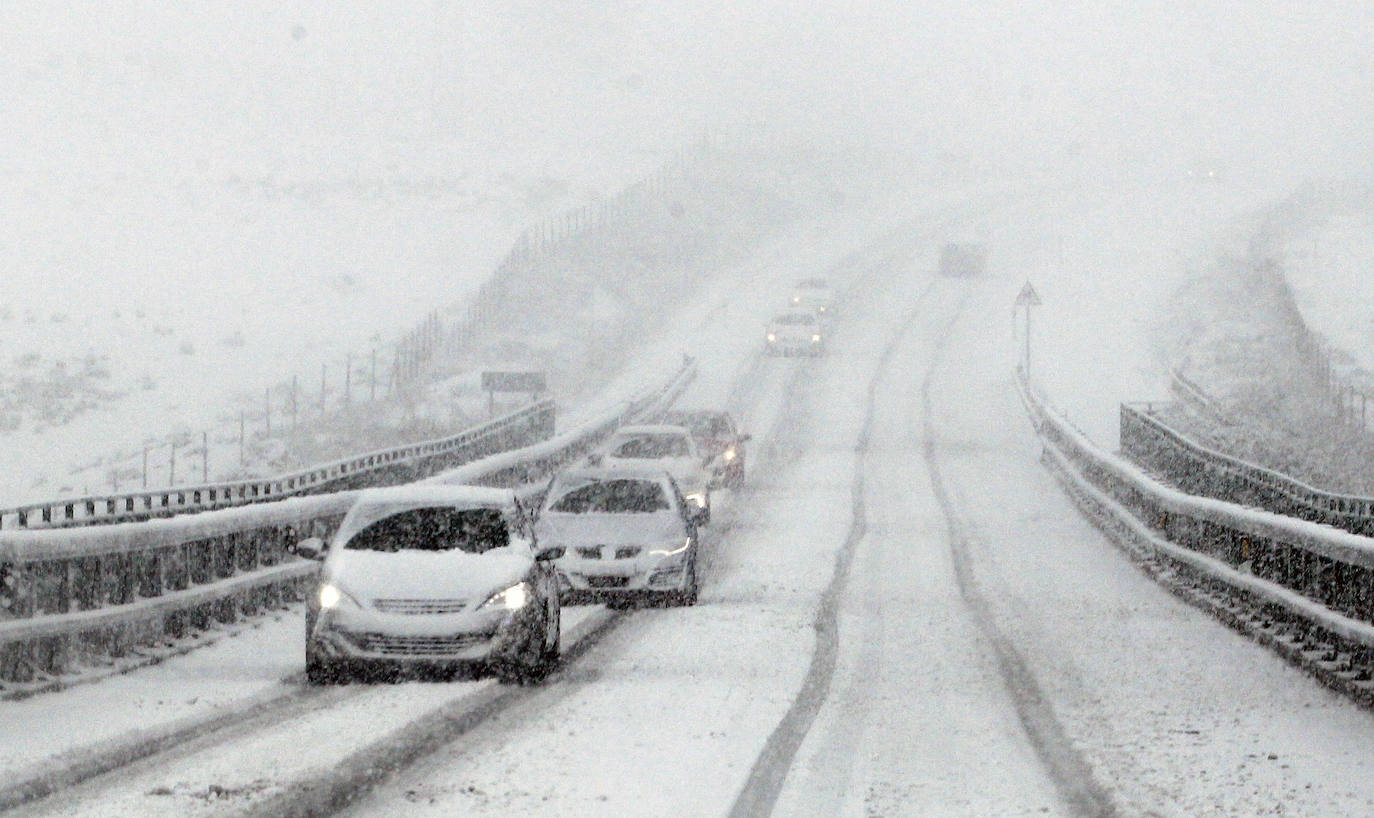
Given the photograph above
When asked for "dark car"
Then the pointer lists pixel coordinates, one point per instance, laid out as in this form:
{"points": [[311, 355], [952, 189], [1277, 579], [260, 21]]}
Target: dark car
{"points": [[716, 436]]}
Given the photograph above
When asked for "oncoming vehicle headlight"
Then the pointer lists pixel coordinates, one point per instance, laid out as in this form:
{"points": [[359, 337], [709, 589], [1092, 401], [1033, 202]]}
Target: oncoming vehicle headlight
{"points": [[772, 336], [332, 596], [729, 454], [816, 339], [512, 599]]}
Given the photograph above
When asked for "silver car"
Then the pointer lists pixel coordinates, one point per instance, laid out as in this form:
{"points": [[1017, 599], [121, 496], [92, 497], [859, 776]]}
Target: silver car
{"points": [[626, 533], [433, 575]]}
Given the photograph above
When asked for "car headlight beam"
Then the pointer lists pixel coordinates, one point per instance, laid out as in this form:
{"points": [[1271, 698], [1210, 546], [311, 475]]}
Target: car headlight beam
{"points": [[511, 599], [332, 596], [669, 550]]}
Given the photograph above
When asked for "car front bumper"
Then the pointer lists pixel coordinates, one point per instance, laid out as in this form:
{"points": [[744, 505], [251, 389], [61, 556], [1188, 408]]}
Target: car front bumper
{"points": [[471, 637]]}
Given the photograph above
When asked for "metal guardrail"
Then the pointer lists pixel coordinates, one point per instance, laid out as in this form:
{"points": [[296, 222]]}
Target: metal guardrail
{"points": [[1200, 470], [82, 594], [382, 467], [1305, 572]]}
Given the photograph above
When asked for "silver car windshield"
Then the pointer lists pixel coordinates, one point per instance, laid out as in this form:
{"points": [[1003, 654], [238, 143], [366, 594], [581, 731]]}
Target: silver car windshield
{"points": [[612, 497]]}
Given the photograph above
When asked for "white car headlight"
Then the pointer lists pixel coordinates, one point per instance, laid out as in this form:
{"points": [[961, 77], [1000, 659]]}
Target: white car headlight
{"points": [[512, 599], [772, 336], [816, 339], [670, 549], [332, 596], [729, 454]]}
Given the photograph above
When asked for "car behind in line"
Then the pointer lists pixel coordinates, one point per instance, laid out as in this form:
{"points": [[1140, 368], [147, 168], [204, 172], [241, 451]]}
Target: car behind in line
{"points": [[626, 533]]}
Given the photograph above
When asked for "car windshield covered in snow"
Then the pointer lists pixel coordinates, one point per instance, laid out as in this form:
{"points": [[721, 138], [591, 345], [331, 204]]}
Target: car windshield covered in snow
{"points": [[795, 319], [474, 531], [652, 447], [620, 496]]}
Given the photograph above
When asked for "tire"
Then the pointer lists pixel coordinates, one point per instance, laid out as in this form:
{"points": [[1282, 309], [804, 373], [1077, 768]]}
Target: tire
{"points": [[687, 597], [549, 655], [321, 671], [537, 661]]}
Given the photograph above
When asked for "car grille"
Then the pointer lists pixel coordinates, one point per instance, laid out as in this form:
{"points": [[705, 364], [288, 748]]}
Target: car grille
{"points": [[608, 582], [628, 551], [592, 553], [389, 645], [420, 606]]}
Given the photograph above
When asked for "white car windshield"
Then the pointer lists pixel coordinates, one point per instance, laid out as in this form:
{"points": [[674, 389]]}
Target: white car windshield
{"points": [[795, 319]]}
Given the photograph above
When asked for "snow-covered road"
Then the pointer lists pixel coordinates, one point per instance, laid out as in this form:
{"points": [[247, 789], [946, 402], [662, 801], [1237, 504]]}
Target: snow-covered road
{"points": [[993, 654]]}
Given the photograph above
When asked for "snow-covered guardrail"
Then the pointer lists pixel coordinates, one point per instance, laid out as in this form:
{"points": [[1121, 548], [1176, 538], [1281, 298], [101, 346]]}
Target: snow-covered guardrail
{"points": [[1197, 469], [70, 596], [399, 464], [1318, 577]]}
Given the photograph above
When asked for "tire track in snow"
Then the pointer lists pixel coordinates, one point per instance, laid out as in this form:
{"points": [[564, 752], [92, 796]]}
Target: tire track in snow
{"points": [[770, 769], [1070, 772]]}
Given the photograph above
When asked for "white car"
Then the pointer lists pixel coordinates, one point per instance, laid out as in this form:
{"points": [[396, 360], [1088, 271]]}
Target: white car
{"points": [[814, 294], [796, 332], [625, 532], [433, 575], [664, 446]]}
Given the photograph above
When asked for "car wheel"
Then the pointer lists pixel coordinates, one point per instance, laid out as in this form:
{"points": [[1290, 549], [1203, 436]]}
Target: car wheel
{"points": [[553, 648], [536, 660], [321, 671], [687, 596]]}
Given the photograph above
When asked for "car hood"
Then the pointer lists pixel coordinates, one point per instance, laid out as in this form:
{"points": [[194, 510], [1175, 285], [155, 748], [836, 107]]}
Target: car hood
{"points": [[609, 529], [452, 574], [687, 471]]}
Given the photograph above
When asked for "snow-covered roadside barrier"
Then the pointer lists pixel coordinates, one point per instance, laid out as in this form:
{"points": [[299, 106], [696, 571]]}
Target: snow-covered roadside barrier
{"points": [[1303, 573], [79, 594], [1198, 469], [382, 467]]}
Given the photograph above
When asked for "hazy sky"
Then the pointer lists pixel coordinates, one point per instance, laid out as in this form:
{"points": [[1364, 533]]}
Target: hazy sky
{"points": [[204, 84]]}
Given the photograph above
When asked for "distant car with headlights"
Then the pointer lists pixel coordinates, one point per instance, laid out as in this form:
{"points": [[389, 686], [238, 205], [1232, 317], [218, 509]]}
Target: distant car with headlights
{"points": [[626, 533], [814, 294], [717, 437], [796, 332], [427, 575], [663, 446]]}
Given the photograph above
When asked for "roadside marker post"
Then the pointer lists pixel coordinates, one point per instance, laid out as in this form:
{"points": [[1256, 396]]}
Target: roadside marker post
{"points": [[1026, 299]]}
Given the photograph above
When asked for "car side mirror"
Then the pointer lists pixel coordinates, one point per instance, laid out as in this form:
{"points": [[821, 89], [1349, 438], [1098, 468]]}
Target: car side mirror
{"points": [[553, 552], [311, 549]]}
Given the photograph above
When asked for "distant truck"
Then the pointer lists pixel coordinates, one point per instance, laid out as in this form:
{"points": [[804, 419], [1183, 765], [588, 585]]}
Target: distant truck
{"points": [[963, 260]]}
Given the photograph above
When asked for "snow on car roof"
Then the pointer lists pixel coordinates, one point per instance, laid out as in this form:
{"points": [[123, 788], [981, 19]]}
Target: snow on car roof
{"points": [[617, 470], [437, 494], [653, 429]]}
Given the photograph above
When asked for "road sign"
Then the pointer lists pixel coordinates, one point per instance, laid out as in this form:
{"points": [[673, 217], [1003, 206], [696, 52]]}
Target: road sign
{"points": [[514, 382], [1028, 297]]}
